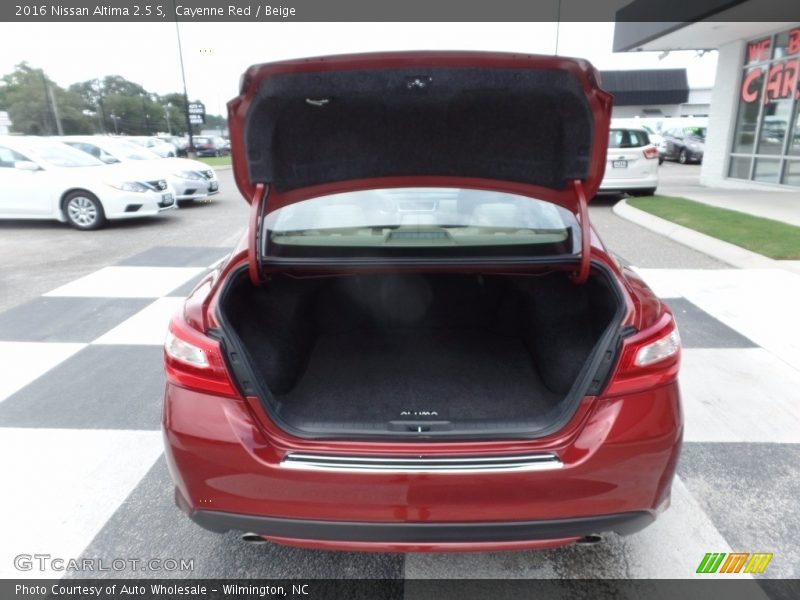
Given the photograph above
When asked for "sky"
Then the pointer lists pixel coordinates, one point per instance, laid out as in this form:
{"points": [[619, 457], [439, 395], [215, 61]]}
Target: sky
{"points": [[216, 54]]}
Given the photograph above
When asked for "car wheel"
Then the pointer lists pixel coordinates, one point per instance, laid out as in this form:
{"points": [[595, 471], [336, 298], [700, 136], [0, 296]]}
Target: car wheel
{"points": [[683, 158], [84, 211], [643, 192]]}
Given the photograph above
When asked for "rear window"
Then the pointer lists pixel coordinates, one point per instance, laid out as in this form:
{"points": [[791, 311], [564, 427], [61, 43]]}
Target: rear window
{"points": [[698, 132], [420, 222], [61, 155], [627, 138]]}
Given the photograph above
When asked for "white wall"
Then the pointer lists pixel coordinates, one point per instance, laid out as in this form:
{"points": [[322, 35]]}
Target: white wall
{"points": [[722, 118], [5, 122], [667, 110]]}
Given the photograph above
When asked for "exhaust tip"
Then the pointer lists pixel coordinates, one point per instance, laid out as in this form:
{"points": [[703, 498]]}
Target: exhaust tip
{"points": [[253, 538], [590, 540]]}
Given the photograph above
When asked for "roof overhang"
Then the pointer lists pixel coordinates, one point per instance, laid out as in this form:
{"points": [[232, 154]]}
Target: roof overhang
{"points": [[699, 25]]}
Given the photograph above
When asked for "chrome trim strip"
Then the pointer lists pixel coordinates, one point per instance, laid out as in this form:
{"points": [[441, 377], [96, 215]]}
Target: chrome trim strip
{"points": [[543, 461]]}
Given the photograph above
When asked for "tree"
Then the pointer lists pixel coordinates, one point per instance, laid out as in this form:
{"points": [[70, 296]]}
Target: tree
{"points": [[109, 105], [35, 103]]}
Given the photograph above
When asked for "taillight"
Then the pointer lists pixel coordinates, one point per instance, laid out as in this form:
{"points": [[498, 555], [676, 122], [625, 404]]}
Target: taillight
{"points": [[193, 360], [648, 359], [650, 152]]}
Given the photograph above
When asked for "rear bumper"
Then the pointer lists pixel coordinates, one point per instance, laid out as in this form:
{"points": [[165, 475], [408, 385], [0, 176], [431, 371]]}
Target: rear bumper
{"points": [[618, 463], [409, 536], [633, 183]]}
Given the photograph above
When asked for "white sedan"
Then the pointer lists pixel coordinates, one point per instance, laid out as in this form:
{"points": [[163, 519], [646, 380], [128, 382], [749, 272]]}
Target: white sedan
{"points": [[43, 179], [192, 179], [154, 144]]}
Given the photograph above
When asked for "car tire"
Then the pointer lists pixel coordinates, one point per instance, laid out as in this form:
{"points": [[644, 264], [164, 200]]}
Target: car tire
{"points": [[683, 158], [84, 211], [643, 192]]}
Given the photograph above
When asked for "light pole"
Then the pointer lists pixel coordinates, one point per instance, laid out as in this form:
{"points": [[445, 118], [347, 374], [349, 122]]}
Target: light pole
{"points": [[166, 116], [115, 118], [190, 153]]}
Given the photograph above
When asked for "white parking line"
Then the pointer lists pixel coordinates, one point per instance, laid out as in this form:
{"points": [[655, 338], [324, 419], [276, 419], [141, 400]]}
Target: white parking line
{"points": [[148, 326], [66, 484], [739, 395], [128, 282], [25, 361]]}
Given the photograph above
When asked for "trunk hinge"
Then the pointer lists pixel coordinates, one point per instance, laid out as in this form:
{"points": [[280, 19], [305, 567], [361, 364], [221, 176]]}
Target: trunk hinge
{"points": [[255, 252], [582, 274]]}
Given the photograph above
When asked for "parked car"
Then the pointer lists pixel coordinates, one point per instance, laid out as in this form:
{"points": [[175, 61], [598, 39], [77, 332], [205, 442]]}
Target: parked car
{"points": [[420, 344], [181, 144], [649, 124], [210, 146], [631, 164], [43, 179], [191, 179], [685, 144], [658, 141], [160, 147]]}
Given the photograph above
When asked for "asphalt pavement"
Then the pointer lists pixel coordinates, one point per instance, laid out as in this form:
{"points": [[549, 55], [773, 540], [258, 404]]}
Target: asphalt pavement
{"points": [[82, 318]]}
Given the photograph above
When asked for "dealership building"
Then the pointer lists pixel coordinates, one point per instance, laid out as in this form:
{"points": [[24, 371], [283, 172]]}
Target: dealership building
{"points": [[753, 137]]}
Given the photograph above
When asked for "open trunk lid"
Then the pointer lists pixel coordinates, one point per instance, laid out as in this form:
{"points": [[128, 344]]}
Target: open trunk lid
{"points": [[524, 124]]}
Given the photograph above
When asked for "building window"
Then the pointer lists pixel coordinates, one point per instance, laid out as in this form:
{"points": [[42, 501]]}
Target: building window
{"points": [[767, 132]]}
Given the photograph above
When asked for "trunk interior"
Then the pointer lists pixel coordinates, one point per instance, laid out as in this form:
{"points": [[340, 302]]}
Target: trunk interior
{"points": [[421, 354]]}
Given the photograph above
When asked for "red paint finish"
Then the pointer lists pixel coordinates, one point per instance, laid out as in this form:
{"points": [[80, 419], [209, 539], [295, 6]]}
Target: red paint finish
{"points": [[618, 457], [619, 450]]}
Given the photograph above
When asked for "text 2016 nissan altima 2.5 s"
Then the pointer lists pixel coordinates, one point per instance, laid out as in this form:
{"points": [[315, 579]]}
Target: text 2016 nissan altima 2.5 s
{"points": [[420, 344]]}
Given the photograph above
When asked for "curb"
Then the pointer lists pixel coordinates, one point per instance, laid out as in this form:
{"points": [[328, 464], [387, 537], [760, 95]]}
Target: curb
{"points": [[722, 251]]}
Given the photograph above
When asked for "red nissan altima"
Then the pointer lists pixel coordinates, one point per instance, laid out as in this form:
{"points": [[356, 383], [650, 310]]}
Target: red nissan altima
{"points": [[421, 344]]}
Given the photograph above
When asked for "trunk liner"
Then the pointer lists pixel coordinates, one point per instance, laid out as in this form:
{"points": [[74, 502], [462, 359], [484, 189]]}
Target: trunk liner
{"points": [[368, 378]]}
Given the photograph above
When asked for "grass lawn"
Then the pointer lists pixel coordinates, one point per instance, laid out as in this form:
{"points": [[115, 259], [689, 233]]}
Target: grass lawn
{"points": [[216, 161], [765, 236]]}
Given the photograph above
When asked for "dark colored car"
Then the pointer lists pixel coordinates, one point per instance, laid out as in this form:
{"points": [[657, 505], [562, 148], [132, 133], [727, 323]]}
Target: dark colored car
{"points": [[685, 144], [181, 144], [421, 343], [210, 146]]}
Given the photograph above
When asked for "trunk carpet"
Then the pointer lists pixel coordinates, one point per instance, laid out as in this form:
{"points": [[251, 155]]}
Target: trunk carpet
{"points": [[362, 378]]}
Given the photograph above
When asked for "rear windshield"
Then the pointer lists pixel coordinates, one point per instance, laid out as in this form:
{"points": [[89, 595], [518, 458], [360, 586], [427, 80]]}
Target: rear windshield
{"points": [[698, 132], [420, 222], [61, 155], [627, 138], [127, 150]]}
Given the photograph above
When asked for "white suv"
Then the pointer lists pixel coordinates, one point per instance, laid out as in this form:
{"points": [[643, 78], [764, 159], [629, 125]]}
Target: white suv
{"points": [[631, 162]]}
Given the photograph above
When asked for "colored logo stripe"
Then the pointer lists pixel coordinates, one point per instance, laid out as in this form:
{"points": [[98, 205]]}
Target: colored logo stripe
{"points": [[758, 562], [734, 562], [712, 562]]}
